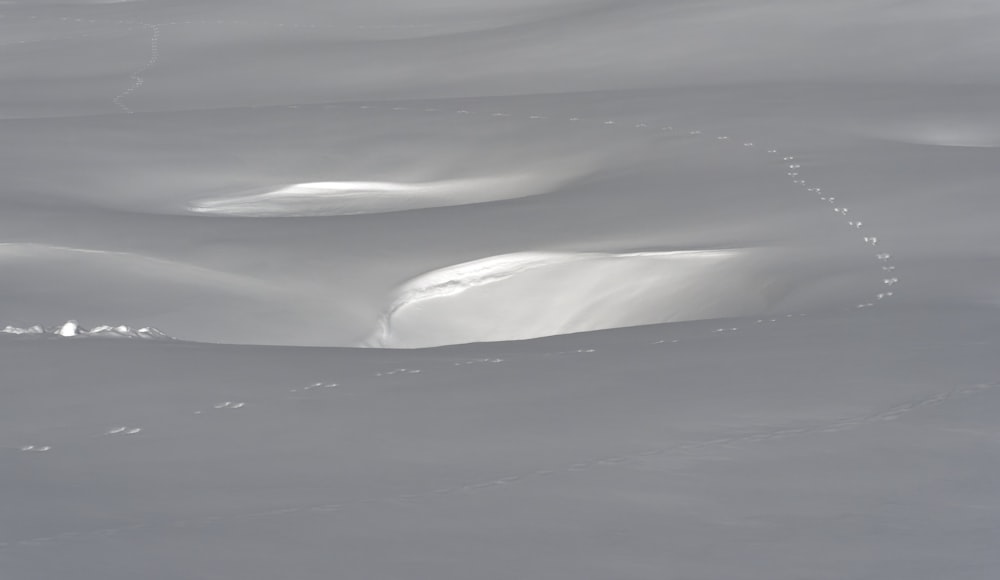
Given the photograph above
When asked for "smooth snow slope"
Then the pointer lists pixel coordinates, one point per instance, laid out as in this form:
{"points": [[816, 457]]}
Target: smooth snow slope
{"points": [[778, 215], [850, 445]]}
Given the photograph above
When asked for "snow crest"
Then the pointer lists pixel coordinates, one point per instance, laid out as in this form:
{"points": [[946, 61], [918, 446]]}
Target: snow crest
{"points": [[331, 198], [531, 294]]}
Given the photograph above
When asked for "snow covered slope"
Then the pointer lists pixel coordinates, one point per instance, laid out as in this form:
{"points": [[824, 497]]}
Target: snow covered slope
{"points": [[563, 289]]}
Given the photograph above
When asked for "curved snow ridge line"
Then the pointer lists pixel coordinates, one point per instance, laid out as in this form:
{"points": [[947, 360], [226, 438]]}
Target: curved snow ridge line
{"points": [[365, 197], [626, 281], [453, 280], [684, 448], [72, 328]]}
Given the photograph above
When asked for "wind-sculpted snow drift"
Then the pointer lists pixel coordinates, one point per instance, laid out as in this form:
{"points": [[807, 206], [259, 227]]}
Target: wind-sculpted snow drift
{"points": [[781, 215], [360, 197], [532, 294]]}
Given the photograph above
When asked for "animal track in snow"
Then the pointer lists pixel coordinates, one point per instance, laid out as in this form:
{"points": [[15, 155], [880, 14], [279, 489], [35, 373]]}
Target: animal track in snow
{"points": [[225, 406], [639, 458], [319, 385], [398, 372], [137, 76], [123, 430], [478, 361], [36, 448]]}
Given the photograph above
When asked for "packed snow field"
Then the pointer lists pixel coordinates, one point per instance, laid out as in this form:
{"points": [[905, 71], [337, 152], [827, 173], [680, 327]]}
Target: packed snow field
{"points": [[460, 289]]}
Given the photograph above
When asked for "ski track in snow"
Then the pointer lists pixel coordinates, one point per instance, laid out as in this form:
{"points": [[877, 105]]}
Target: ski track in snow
{"points": [[783, 161]]}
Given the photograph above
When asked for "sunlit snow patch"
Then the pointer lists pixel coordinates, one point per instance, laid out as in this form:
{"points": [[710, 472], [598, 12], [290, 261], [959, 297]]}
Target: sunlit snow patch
{"points": [[361, 197], [532, 294]]}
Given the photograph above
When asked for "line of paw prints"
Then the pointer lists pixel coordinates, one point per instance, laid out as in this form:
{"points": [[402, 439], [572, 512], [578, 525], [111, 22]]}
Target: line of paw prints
{"points": [[326, 386], [237, 405], [402, 371], [792, 166], [223, 406], [478, 361], [639, 459], [137, 76], [124, 430], [36, 448], [889, 279], [314, 386], [116, 431]]}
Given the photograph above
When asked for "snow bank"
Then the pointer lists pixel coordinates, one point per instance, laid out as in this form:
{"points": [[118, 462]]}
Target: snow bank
{"points": [[72, 328], [532, 294]]}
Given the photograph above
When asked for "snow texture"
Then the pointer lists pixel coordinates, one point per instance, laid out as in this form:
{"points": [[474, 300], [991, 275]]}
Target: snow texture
{"points": [[471, 289]]}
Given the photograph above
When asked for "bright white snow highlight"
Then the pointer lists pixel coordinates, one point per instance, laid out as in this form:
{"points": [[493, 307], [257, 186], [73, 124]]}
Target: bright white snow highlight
{"points": [[361, 197], [532, 294]]}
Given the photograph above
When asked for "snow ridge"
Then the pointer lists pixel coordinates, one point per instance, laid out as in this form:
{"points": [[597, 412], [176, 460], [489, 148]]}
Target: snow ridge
{"points": [[72, 328]]}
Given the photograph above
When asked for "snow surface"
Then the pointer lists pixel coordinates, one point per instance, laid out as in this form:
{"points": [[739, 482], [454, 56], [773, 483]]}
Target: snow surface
{"points": [[712, 289]]}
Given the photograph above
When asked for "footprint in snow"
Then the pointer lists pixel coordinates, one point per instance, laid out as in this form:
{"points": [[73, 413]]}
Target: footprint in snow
{"points": [[36, 448], [123, 430]]}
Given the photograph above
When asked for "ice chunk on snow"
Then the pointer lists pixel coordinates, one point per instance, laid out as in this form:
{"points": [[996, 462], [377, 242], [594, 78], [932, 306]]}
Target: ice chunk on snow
{"points": [[70, 328], [17, 330]]}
